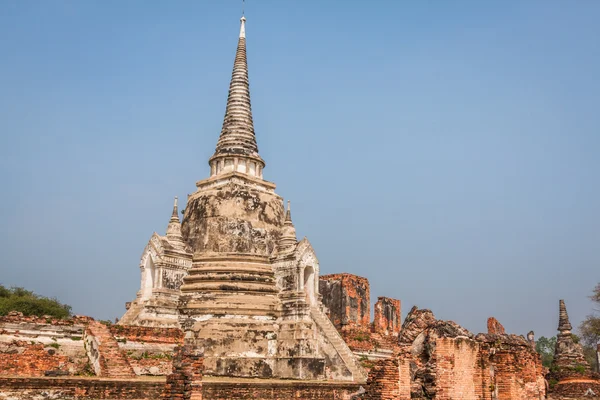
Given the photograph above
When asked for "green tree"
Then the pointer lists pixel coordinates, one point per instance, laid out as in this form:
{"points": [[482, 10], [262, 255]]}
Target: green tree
{"points": [[29, 303], [545, 348], [589, 331]]}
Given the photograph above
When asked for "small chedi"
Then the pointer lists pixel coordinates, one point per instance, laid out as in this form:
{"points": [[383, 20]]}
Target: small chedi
{"points": [[570, 372], [232, 305]]}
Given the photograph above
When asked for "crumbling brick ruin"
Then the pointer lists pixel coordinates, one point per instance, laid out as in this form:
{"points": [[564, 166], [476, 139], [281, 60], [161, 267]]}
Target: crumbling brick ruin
{"points": [[494, 327], [387, 320], [346, 298], [443, 361]]}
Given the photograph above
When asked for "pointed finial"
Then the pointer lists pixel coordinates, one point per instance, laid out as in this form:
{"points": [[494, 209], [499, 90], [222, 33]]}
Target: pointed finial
{"points": [[243, 27], [288, 214], [175, 209], [563, 318]]}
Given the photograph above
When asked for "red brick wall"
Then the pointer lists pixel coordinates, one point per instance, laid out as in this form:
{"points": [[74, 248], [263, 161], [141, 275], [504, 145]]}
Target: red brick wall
{"points": [[390, 379], [518, 374], [457, 368], [279, 390], [185, 383], [94, 388], [24, 358], [80, 388]]}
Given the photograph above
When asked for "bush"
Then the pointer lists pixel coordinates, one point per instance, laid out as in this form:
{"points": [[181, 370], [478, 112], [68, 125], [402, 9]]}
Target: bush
{"points": [[29, 303]]}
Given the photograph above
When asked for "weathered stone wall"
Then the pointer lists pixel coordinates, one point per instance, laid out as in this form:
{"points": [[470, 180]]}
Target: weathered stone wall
{"points": [[243, 216], [348, 300], [387, 319]]}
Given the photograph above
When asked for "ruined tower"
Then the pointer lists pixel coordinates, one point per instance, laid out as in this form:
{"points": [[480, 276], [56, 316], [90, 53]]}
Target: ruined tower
{"points": [[250, 298], [568, 354]]}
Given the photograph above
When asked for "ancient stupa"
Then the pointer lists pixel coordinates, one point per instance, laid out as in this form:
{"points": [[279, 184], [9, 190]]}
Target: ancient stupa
{"points": [[233, 274], [568, 354]]}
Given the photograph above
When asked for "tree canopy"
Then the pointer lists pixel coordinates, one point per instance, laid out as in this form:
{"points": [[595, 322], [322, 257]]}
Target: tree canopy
{"points": [[29, 303], [589, 330], [545, 348], [590, 327]]}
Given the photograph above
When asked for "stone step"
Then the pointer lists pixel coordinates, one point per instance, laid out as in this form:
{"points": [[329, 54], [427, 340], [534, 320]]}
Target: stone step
{"points": [[339, 344]]}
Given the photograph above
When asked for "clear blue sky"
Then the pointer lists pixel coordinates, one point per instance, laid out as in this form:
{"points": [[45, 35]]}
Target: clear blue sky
{"points": [[448, 151]]}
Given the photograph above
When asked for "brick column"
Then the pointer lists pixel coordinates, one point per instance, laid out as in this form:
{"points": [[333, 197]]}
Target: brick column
{"points": [[185, 383]]}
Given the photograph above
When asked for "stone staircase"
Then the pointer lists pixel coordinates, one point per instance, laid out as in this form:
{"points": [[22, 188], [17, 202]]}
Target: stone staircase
{"points": [[358, 373], [104, 353], [129, 317]]}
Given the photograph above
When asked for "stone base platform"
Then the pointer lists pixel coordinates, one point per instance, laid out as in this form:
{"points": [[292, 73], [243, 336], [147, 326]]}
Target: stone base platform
{"points": [[576, 389]]}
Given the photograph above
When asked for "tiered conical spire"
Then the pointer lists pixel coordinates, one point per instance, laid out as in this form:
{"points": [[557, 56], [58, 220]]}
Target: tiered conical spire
{"points": [[288, 232], [237, 149], [288, 213], [563, 318], [174, 227]]}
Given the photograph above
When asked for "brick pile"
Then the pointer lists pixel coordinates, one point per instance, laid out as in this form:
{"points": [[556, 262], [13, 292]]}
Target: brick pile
{"points": [[23, 358]]}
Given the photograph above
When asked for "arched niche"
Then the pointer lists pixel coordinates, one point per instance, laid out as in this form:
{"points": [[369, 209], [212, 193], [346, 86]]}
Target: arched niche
{"points": [[148, 277], [309, 284]]}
